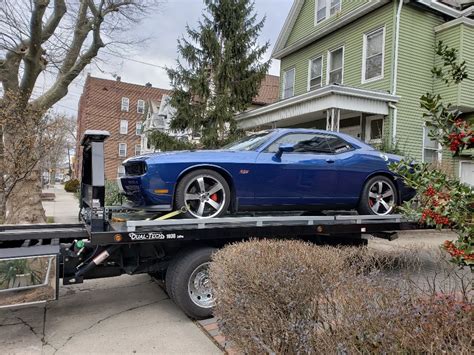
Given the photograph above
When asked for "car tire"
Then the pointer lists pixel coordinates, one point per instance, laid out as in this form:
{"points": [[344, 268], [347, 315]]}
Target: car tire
{"points": [[378, 193], [187, 282], [215, 203]]}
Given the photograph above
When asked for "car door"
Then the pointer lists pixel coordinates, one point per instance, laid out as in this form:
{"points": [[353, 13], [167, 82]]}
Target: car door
{"points": [[305, 176]]}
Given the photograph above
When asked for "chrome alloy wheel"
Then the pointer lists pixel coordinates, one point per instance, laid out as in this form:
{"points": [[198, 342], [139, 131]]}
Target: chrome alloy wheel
{"points": [[204, 197], [199, 287], [381, 198]]}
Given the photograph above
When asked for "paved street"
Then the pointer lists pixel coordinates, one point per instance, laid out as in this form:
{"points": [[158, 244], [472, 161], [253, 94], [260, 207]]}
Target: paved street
{"points": [[127, 314]]}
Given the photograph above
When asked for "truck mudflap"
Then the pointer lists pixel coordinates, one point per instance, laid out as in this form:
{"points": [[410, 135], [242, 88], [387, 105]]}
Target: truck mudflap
{"points": [[28, 275]]}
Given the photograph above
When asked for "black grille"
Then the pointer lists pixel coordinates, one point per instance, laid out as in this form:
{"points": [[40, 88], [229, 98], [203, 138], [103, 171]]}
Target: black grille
{"points": [[135, 168]]}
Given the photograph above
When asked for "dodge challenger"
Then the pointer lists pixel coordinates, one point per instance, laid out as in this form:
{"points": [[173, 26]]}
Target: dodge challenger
{"points": [[280, 169]]}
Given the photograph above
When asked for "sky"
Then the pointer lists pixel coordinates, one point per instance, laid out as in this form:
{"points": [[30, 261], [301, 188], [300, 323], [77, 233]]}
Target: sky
{"points": [[163, 28]]}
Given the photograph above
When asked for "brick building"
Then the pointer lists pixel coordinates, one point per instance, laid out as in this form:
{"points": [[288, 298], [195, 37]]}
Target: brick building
{"points": [[118, 107]]}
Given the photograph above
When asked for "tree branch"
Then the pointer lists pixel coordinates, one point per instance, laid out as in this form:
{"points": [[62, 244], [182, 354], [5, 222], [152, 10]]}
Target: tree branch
{"points": [[32, 59], [53, 21]]}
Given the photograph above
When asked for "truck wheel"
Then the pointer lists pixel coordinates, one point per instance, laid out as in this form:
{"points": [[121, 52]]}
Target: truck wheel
{"points": [[204, 193], [188, 284]]}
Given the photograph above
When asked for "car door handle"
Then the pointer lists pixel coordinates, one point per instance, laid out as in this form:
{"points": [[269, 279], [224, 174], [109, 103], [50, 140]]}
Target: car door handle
{"points": [[330, 161]]}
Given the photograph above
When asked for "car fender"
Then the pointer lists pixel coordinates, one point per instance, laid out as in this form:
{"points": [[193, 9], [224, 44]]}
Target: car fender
{"points": [[385, 173]]}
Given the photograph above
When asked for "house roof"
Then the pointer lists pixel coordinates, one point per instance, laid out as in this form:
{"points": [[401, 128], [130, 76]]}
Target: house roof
{"points": [[451, 8], [269, 90]]}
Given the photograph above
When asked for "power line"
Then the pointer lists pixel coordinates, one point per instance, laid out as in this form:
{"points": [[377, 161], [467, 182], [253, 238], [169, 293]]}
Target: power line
{"points": [[135, 60]]}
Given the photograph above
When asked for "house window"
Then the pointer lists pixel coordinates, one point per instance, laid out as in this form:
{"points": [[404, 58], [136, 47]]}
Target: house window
{"points": [[315, 73], [374, 129], [336, 66], [138, 129], [432, 150], [372, 63], [120, 171], [123, 126], [289, 83], [138, 149], [326, 8], [125, 104], [122, 149], [335, 7], [140, 106]]}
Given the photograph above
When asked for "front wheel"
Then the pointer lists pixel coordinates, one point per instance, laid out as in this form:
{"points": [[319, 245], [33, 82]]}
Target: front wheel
{"points": [[379, 197], [204, 193]]}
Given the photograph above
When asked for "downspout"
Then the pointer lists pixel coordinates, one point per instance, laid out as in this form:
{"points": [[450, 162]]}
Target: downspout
{"points": [[395, 72]]}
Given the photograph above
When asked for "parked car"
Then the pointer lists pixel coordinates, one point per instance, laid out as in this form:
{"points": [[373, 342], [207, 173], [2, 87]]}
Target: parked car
{"points": [[280, 169]]}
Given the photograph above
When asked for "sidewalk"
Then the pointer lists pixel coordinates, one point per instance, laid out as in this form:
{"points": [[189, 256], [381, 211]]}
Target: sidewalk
{"points": [[64, 208]]}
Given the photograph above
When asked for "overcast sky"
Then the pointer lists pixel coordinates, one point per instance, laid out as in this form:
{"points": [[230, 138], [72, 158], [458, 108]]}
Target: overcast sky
{"points": [[164, 28]]}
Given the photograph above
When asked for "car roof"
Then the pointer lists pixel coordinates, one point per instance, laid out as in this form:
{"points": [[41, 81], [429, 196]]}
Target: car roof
{"points": [[346, 137]]}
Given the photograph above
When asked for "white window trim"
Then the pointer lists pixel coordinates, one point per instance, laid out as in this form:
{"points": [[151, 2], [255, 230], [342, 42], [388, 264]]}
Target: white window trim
{"points": [[439, 150], [139, 151], [364, 56], [125, 104], [461, 162], [119, 150], [284, 83], [126, 127], [143, 106], [368, 126], [120, 171], [138, 124], [310, 61], [328, 11], [328, 63]]}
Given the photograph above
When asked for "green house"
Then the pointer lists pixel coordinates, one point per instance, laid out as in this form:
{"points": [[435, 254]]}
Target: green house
{"points": [[360, 67]]}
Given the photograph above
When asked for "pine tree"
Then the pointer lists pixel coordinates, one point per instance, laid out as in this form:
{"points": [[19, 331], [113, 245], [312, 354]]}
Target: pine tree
{"points": [[219, 70]]}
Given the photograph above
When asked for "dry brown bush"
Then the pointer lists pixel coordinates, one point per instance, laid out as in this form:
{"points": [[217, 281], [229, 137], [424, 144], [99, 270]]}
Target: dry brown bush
{"points": [[294, 297]]}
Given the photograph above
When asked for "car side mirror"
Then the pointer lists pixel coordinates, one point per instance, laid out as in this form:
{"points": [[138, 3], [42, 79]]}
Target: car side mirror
{"points": [[284, 148]]}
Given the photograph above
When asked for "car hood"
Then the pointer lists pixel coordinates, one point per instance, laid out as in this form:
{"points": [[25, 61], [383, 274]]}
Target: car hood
{"points": [[191, 155]]}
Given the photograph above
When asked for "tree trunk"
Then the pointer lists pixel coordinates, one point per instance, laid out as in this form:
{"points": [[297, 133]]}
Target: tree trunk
{"points": [[24, 201], [3, 208], [23, 174]]}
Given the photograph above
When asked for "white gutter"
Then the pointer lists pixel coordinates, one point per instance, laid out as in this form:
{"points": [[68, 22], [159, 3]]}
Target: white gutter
{"points": [[395, 71]]}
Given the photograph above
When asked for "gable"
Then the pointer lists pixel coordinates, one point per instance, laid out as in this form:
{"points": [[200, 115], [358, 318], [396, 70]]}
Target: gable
{"points": [[300, 23]]}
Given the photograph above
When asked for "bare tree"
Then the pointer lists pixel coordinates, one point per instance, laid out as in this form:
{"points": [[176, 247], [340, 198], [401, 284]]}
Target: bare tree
{"points": [[48, 42]]}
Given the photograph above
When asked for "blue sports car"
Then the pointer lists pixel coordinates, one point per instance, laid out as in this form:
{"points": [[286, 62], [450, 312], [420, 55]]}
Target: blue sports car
{"points": [[280, 169]]}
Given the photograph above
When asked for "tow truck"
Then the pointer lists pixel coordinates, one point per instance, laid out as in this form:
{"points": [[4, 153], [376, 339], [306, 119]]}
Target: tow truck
{"points": [[111, 241]]}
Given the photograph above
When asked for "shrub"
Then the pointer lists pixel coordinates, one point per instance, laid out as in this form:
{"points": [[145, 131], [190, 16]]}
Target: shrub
{"points": [[113, 197], [294, 297], [72, 185]]}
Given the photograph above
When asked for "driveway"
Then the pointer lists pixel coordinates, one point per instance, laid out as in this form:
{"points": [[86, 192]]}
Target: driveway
{"points": [[127, 314]]}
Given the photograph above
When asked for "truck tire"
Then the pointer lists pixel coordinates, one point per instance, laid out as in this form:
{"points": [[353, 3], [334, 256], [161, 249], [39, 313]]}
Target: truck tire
{"points": [[188, 285]]}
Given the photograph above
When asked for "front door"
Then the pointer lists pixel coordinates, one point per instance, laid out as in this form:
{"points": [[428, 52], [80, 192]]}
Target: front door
{"points": [[306, 176]]}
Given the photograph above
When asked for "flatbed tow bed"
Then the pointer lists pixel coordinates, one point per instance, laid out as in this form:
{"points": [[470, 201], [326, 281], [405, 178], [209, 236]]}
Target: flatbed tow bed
{"points": [[176, 250]]}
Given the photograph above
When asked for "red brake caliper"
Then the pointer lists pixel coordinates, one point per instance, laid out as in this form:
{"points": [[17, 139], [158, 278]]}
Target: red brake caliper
{"points": [[214, 197]]}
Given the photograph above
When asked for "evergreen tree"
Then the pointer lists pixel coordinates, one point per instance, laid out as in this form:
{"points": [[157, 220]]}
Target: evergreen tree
{"points": [[219, 70]]}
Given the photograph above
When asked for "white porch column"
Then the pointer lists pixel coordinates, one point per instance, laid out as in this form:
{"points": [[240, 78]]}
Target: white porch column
{"points": [[333, 118]]}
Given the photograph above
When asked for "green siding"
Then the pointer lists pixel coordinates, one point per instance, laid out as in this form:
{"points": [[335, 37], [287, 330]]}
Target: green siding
{"points": [[466, 97], [452, 38], [304, 24], [351, 36], [416, 59], [460, 37]]}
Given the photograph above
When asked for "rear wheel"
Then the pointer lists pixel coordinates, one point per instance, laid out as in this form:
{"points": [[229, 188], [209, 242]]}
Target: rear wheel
{"points": [[188, 285], [204, 193], [379, 197]]}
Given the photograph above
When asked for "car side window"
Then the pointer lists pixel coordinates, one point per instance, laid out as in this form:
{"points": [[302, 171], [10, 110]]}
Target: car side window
{"points": [[303, 143], [338, 145]]}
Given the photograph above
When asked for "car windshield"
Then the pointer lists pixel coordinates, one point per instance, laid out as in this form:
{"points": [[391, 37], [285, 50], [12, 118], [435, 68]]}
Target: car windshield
{"points": [[250, 142]]}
